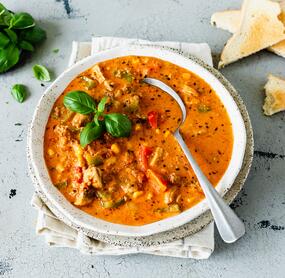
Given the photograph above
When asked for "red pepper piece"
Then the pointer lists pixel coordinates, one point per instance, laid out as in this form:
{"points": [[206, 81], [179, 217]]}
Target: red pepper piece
{"points": [[152, 119], [144, 154]]}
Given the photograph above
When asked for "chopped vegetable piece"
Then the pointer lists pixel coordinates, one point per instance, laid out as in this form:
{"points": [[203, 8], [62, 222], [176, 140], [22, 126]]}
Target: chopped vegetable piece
{"points": [[110, 161], [127, 76], [50, 152], [144, 154], [189, 91], [104, 196], [169, 195], [132, 103], [90, 83], [156, 156], [152, 119], [113, 204], [61, 185], [204, 108], [174, 208], [137, 194], [115, 148], [94, 160], [158, 183]]}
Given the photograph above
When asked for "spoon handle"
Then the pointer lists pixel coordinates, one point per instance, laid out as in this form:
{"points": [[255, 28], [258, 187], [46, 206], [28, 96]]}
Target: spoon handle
{"points": [[230, 227]]}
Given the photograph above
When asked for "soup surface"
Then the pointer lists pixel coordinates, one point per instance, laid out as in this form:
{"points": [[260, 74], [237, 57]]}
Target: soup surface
{"points": [[145, 177]]}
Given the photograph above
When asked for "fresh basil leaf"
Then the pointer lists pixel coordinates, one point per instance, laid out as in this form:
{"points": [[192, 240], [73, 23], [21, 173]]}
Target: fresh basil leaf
{"points": [[21, 21], [41, 73], [26, 46], [33, 35], [9, 56], [5, 16], [80, 102], [118, 125], [2, 9], [101, 105], [12, 35], [19, 92], [91, 132], [4, 40]]}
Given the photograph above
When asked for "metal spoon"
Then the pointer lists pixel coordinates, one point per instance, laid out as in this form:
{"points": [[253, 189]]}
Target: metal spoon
{"points": [[230, 227]]}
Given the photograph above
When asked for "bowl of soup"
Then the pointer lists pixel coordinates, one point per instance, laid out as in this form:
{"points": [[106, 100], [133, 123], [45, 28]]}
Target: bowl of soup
{"points": [[113, 166]]}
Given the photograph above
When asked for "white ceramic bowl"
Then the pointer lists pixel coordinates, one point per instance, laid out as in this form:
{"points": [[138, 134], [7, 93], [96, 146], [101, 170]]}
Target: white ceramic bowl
{"points": [[88, 222]]}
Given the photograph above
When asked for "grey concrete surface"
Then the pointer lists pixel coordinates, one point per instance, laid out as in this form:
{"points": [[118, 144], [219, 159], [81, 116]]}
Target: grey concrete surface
{"points": [[260, 253]]}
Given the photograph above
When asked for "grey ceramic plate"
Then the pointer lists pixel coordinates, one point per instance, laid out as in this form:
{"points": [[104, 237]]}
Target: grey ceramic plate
{"points": [[172, 234]]}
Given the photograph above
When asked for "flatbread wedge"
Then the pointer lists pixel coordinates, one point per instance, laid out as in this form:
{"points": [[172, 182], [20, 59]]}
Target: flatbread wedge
{"points": [[279, 48], [259, 28], [275, 95], [230, 20], [227, 20]]}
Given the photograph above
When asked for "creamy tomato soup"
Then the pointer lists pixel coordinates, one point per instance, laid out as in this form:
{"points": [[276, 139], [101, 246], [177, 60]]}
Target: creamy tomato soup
{"points": [[141, 177]]}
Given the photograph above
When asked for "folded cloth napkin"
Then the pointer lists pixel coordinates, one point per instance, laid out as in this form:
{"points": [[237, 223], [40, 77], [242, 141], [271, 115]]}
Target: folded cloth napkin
{"points": [[58, 234]]}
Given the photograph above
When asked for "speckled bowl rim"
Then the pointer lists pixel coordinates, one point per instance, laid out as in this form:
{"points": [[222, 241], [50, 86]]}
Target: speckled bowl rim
{"points": [[192, 226]]}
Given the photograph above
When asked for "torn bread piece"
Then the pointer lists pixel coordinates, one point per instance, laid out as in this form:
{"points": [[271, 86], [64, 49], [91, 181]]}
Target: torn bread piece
{"points": [[259, 28], [275, 95], [229, 21]]}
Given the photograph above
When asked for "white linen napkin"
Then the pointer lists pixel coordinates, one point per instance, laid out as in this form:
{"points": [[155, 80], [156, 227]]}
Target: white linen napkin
{"points": [[58, 234]]}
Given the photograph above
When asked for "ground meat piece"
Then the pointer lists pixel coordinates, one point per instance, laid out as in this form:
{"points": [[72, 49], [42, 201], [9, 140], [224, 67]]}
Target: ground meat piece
{"points": [[174, 178], [98, 75], [58, 111], [93, 176], [64, 135], [84, 196], [128, 158], [107, 139], [141, 177], [80, 120]]}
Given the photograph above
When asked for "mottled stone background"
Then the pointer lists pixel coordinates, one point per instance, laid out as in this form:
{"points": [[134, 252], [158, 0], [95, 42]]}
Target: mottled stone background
{"points": [[260, 253]]}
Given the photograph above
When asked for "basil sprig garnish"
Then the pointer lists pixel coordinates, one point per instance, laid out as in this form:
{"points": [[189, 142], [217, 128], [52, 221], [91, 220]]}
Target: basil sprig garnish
{"points": [[18, 33], [118, 125]]}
